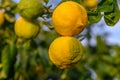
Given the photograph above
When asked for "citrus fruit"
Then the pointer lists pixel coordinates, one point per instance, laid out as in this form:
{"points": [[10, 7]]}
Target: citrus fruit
{"points": [[69, 18], [91, 3], [26, 29], [30, 9], [65, 52], [1, 18]]}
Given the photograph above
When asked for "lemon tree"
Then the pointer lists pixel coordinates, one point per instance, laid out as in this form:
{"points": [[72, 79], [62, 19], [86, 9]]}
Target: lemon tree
{"points": [[44, 40]]}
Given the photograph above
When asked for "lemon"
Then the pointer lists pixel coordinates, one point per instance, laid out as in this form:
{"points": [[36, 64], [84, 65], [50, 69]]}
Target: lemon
{"points": [[65, 52], [69, 18], [30, 9], [1, 18], [91, 3], [25, 29]]}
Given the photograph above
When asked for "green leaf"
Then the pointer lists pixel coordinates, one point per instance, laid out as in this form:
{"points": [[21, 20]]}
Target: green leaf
{"points": [[105, 5], [94, 17], [101, 45], [46, 1], [8, 59], [111, 18], [5, 62]]}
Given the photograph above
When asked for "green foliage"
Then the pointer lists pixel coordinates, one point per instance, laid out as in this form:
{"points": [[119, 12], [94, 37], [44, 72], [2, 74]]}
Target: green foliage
{"points": [[106, 5], [106, 8], [110, 10], [22, 59], [112, 17], [8, 58], [94, 17]]}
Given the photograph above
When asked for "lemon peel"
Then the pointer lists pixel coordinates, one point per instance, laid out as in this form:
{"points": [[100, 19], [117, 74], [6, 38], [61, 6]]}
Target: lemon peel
{"points": [[26, 29], [69, 18], [65, 52]]}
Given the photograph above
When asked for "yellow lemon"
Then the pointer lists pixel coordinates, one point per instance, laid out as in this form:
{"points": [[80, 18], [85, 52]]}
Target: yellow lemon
{"points": [[26, 29], [65, 52], [91, 3], [69, 18], [1, 18]]}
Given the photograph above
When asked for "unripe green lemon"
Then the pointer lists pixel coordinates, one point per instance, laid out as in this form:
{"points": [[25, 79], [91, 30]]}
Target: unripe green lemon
{"points": [[1, 18], [30, 9], [26, 29], [65, 52]]}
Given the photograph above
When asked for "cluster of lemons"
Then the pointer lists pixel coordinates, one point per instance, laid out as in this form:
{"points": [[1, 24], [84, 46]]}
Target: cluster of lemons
{"points": [[27, 26], [69, 19]]}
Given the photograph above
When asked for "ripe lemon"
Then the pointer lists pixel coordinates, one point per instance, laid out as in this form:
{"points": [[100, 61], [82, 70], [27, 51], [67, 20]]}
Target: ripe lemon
{"points": [[30, 9], [1, 18], [91, 3], [69, 18], [65, 52], [26, 29]]}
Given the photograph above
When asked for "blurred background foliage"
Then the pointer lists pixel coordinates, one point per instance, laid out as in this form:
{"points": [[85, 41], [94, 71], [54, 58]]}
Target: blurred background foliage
{"points": [[22, 59]]}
